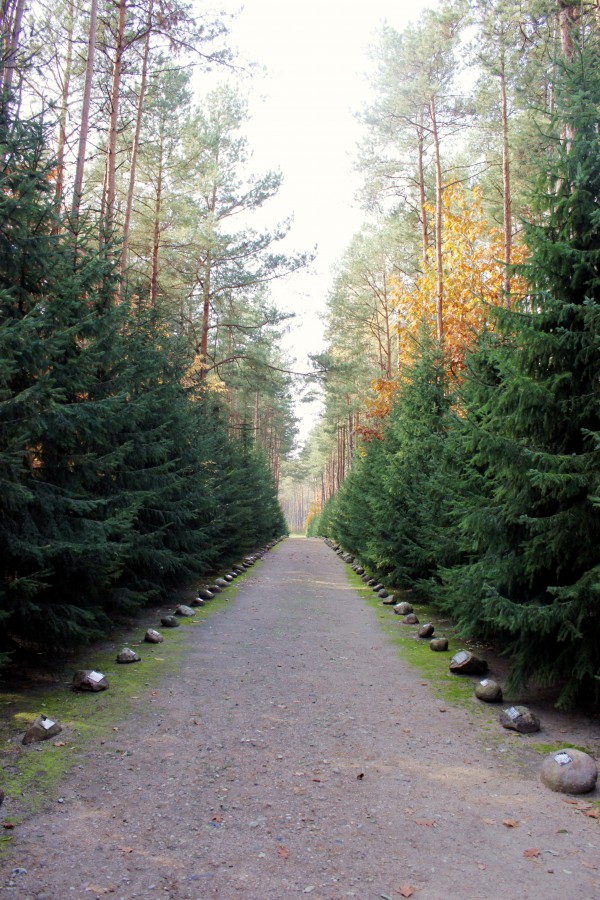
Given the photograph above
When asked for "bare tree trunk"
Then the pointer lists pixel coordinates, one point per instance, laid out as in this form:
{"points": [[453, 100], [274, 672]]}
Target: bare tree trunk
{"points": [[156, 237], [422, 195], [12, 21], [136, 141], [85, 117], [111, 158], [507, 200], [439, 306], [62, 126]]}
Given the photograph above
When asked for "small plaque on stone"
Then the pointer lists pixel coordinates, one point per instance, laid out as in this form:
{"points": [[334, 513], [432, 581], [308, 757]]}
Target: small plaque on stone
{"points": [[563, 759], [461, 657], [95, 676], [42, 729], [512, 712]]}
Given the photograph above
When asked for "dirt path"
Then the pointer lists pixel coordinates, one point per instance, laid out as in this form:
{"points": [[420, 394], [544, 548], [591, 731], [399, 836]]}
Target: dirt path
{"points": [[297, 754]]}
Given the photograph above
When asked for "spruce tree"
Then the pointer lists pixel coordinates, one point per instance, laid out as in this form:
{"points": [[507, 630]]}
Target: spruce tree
{"points": [[532, 425]]}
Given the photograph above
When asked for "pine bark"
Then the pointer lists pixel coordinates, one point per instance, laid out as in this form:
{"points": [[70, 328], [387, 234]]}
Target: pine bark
{"points": [[85, 116]]}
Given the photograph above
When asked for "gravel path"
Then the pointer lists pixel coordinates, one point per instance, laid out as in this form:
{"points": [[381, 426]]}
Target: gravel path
{"points": [[295, 755]]}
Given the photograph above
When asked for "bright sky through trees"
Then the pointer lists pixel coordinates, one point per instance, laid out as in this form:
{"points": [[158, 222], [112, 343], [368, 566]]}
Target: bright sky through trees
{"points": [[304, 123]]}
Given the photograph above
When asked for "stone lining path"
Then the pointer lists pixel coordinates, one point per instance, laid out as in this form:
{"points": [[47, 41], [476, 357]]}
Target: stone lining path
{"points": [[296, 754]]}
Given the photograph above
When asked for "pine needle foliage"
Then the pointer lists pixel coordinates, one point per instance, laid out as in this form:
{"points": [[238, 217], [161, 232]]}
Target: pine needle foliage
{"points": [[117, 483], [532, 425]]}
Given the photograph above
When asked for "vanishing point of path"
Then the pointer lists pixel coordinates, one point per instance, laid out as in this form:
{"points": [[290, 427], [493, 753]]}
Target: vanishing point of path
{"points": [[296, 754]]}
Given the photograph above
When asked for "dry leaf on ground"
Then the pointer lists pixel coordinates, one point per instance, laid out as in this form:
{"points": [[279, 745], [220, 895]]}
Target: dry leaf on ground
{"points": [[283, 852], [511, 823], [406, 890], [533, 853]]}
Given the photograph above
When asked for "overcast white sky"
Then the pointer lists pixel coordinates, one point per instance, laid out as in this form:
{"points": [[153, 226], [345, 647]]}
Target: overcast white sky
{"points": [[303, 123]]}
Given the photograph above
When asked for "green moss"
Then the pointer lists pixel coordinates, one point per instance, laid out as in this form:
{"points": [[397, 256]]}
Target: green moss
{"points": [[559, 745], [31, 775]]}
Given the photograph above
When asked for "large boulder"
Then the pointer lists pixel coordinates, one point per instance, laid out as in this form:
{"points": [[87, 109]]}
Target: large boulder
{"points": [[89, 680], [439, 644], [519, 718], [169, 622], [153, 637], [410, 619], [127, 655], [403, 608], [221, 582], [42, 729], [488, 690], [466, 663], [426, 630], [570, 772], [205, 594], [185, 611]]}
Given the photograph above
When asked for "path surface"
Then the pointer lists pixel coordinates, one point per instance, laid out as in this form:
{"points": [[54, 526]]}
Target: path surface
{"points": [[298, 755]]}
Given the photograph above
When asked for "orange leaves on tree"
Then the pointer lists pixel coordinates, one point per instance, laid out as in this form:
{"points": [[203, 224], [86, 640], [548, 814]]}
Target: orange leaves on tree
{"points": [[378, 408], [473, 280]]}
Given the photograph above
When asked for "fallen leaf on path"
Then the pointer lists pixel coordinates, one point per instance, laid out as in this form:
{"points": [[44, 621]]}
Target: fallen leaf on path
{"points": [[406, 890], [318, 780], [360, 776], [59, 744], [489, 821], [126, 849], [569, 801], [283, 852], [588, 865], [8, 825], [481, 866], [429, 823], [533, 853], [217, 818], [592, 813], [511, 823]]}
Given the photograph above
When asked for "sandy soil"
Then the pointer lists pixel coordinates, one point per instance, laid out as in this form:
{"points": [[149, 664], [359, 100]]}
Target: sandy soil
{"points": [[296, 754]]}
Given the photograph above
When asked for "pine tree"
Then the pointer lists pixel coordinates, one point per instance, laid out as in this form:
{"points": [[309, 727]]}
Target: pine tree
{"points": [[63, 530], [533, 425]]}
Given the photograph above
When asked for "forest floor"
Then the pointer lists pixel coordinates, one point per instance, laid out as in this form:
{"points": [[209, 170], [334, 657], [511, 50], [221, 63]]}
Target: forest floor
{"points": [[300, 747]]}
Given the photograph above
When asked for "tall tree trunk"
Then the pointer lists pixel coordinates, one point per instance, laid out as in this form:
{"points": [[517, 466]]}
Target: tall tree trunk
{"points": [[111, 158], [136, 141], [85, 117], [156, 236], [11, 24], [507, 200], [64, 108], [422, 194], [439, 304]]}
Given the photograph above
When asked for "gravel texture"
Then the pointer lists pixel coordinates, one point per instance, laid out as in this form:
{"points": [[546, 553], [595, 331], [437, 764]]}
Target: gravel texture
{"points": [[296, 754]]}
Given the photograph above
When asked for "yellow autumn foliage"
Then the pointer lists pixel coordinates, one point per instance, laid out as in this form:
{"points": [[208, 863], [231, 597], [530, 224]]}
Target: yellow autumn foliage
{"points": [[473, 280]]}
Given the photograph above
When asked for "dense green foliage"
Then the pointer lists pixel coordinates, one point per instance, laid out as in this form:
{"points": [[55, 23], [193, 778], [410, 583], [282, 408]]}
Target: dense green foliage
{"points": [[490, 503], [117, 482]]}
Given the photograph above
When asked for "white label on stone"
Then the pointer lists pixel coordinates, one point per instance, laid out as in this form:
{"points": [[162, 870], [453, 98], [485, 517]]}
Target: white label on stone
{"points": [[47, 723], [484, 682], [461, 657], [563, 759], [95, 677], [513, 713]]}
